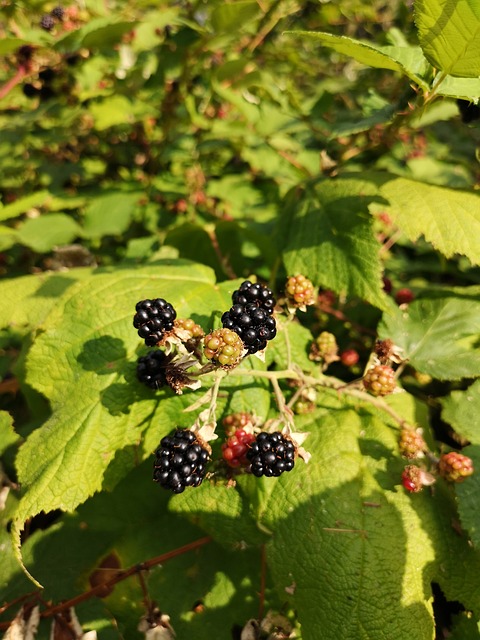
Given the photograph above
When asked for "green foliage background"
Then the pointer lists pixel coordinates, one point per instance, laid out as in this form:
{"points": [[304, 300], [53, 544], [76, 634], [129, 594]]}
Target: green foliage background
{"points": [[171, 150]]}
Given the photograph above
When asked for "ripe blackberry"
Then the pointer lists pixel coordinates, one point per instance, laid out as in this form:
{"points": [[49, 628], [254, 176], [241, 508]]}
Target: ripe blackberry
{"points": [[224, 347], [180, 461], [235, 449], [300, 291], [455, 467], [153, 318], [47, 22], [252, 323], [151, 369], [257, 294], [379, 380], [271, 454], [58, 13]]}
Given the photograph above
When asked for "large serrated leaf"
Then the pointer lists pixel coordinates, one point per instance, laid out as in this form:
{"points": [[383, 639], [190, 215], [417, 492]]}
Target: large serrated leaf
{"points": [[453, 227], [468, 492], [47, 232], [438, 337], [361, 536], [409, 61], [82, 362], [461, 409], [326, 233], [27, 300], [449, 34]]}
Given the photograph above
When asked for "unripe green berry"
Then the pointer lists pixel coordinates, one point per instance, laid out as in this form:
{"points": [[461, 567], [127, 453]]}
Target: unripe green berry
{"points": [[379, 380], [224, 347]]}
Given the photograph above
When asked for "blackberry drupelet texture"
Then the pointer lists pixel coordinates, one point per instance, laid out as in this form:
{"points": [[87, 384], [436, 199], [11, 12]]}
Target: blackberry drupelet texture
{"points": [[180, 461], [153, 318], [271, 454], [252, 323], [58, 12], [47, 22], [224, 347], [151, 369], [235, 449], [379, 380], [257, 294]]}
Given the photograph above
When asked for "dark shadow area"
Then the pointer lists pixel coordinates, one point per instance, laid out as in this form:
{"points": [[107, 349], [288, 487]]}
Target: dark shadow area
{"points": [[444, 611], [103, 355], [55, 286]]}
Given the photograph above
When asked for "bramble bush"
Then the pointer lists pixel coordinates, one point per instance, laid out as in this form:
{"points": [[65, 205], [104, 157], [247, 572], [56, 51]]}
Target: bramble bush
{"points": [[321, 482]]}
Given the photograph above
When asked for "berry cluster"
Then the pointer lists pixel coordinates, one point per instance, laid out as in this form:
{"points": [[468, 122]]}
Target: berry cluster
{"points": [[151, 369], [379, 380], [188, 325], [412, 478], [223, 347], [300, 291], [455, 467], [153, 319], [180, 461], [271, 454], [47, 21], [411, 444], [324, 348], [235, 421], [250, 316], [235, 449]]}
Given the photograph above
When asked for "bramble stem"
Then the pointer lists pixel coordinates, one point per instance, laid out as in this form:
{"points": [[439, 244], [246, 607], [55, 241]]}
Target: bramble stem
{"points": [[327, 382]]}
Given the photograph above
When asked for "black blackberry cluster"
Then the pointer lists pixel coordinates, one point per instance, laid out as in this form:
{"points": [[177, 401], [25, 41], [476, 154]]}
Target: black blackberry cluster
{"points": [[153, 319], [47, 22], [271, 454], [151, 369], [251, 316], [58, 13], [180, 461]]}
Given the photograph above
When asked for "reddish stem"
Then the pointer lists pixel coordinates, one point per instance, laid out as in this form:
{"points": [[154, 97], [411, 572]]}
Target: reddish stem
{"points": [[121, 575], [10, 84]]}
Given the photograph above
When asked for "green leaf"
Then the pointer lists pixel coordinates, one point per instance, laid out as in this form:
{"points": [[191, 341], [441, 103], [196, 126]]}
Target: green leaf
{"points": [[22, 205], [98, 32], [84, 363], [8, 436], [406, 60], [438, 337], [327, 234], [48, 231], [453, 227], [110, 214], [449, 34], [465, 88], [227, 17], [27, 300], [359, 533], [460, 409], [467, 493]]}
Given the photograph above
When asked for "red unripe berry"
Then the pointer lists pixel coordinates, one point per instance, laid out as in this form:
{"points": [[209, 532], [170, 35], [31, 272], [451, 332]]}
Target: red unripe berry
{"points": [[234, 450], [404, 296], [349, 357]]}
